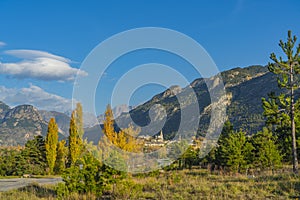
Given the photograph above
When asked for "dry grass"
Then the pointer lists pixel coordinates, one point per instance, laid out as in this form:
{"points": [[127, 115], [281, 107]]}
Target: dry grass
{"points": [[32, 192], [198, 184], [186, 184]]}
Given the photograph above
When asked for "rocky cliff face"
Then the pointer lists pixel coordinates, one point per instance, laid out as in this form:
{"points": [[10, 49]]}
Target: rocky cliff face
{"points": [[244, 89], [3, 109], [20, 124]]}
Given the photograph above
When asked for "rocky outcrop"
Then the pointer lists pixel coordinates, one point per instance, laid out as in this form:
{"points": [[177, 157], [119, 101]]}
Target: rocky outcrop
{"points": [[20, 124]]}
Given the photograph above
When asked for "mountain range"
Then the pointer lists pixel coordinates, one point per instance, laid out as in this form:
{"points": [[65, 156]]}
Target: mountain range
{"points": [[23, 122], [244, 89]]}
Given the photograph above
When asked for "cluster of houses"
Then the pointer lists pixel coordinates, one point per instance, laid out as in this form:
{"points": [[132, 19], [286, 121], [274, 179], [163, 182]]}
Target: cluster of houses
{"points": [[158, 141]]}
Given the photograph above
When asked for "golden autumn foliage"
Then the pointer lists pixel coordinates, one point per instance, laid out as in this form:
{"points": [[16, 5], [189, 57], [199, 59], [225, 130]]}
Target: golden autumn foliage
{"points": [[75, 135], [74, 148], [124, 139], [51, 144], [60, 163]]}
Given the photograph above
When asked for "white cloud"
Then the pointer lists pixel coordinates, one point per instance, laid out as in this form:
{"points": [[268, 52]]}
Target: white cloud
{"points": [[2, 44], [32, 54], [40, 65], [35, 96]]}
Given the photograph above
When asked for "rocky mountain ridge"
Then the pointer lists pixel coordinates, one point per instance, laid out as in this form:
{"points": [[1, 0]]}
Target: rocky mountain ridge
{"points": [[244, 89]]}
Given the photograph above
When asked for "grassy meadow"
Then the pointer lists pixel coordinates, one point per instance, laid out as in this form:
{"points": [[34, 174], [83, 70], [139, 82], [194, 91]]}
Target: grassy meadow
{"points": [[182, 184]]}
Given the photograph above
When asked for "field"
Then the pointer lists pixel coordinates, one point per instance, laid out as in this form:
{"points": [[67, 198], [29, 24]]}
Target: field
{"points": [[185, 184]]}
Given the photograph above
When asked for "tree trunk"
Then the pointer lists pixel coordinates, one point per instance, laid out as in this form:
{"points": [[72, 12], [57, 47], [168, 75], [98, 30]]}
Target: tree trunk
{"points": [[295, 160]]}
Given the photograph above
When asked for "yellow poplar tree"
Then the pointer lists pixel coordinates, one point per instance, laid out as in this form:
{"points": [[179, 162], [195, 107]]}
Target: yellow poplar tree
{"points": [[124, 139], [79, 120], [74, 140], [108, 130], [127, 140], [60, 163], [51, 144], [108, 125]]}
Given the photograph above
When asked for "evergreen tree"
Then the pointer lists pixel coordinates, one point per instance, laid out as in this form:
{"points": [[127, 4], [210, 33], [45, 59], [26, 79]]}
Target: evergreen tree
{"points": [[288, 71], [34, 154], [266, 151], [279, 122], [218, 157], [190, 157], [51, 144], [91, 177], [175, 150], [235, 152]]}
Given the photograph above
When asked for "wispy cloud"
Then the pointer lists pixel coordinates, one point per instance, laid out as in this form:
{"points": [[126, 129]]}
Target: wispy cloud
{"points": [[35, 96], [2, 44], [40, 65], [32, 54]]}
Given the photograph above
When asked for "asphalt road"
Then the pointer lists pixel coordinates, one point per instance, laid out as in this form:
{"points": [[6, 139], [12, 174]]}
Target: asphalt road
{"points": [[15, 183]]}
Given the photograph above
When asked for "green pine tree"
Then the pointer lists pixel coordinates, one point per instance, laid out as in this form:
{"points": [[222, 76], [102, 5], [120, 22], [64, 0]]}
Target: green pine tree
{"points": [[279, 122], [34, 155], [267, 155], [226, 131], [235, 152], [288, 70]]}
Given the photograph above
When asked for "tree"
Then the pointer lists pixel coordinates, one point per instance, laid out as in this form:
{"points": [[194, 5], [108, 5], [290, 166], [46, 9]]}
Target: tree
{"points": [[107, 141], [190, 157], [51, 144], [108, 124], [288, 71], [12, 162], [279, 121], [91, 177], [34, 155], [177, 149], [124, 139], [266, 151], [79, 120], [226, 131], [75, 142], [60, 163], [235, 152]]}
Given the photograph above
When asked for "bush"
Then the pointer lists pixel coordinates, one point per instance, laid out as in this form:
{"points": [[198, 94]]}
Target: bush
{"points": [[89, 177]]}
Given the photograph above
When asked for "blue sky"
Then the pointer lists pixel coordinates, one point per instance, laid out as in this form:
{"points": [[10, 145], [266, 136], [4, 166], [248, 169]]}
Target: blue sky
{"points": [[60, 34]]}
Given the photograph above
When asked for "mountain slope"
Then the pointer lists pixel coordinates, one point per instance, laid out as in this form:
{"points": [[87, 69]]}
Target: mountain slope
{"points": [[20, 124], [62, 120], [244, 88]]}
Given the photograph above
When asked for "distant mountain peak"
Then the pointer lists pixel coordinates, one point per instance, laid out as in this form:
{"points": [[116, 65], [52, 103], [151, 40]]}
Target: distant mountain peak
{"points": [[21, 123]]}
